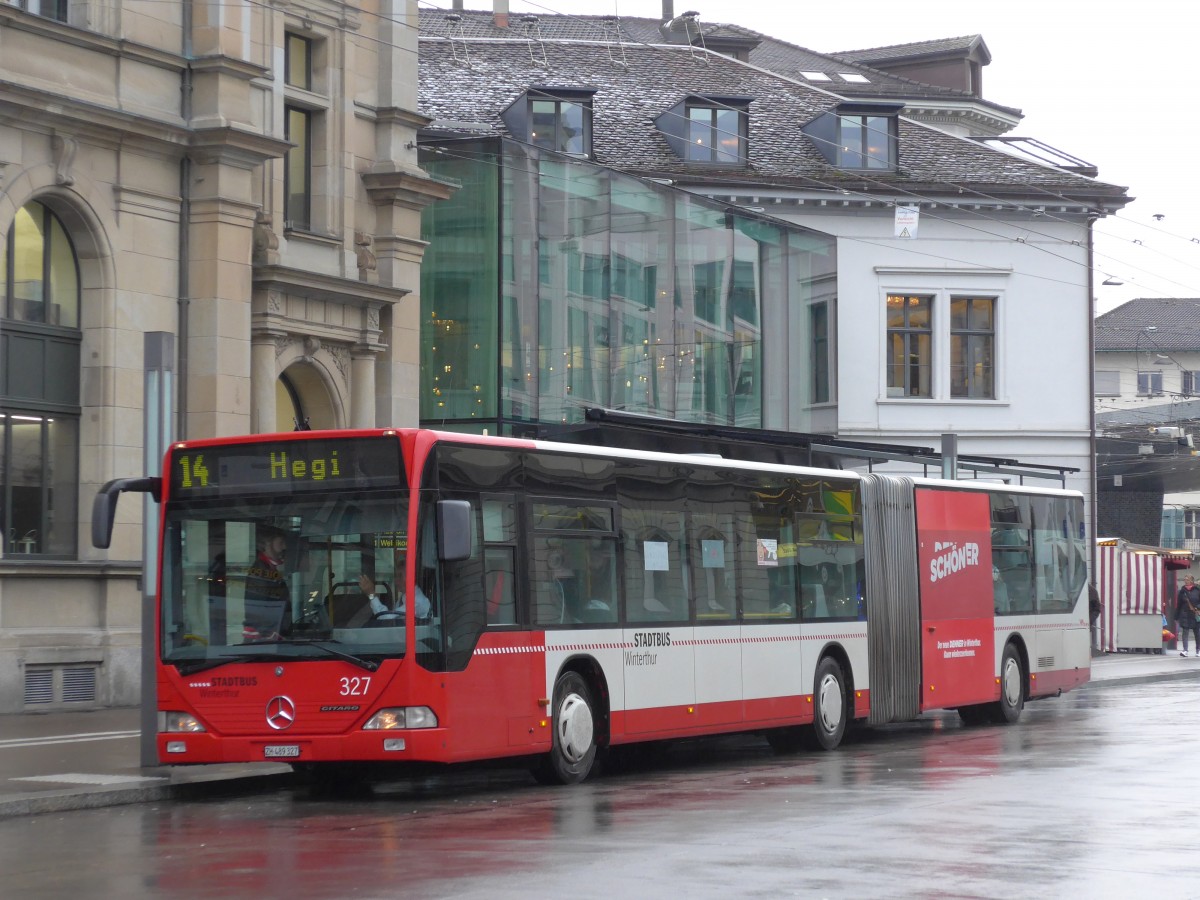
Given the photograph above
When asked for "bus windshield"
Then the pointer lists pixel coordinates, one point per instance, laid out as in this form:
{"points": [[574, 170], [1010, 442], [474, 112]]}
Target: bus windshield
{"points": [[297, 576]]}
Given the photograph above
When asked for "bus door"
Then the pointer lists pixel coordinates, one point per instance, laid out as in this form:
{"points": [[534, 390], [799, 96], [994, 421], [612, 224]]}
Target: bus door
{"points": [[954, 563]]}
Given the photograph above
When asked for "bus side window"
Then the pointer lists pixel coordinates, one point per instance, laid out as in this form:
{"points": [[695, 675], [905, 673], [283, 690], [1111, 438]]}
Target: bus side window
{"points": [[498, 585], [715, 574], [655, 587], [554, 581], [499, 559]]}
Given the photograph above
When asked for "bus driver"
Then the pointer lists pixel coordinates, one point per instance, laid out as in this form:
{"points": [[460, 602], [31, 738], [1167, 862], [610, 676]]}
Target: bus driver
{"points": [[379, 608]]}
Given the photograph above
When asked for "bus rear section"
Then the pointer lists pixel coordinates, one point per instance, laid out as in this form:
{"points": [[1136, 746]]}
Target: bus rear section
{"points": [[994, 612]]}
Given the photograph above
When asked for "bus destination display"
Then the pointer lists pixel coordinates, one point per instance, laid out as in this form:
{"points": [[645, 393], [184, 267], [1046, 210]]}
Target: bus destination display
{"points": [[286, 467]]}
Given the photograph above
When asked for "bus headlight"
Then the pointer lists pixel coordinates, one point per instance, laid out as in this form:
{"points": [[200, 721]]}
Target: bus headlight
{"points": [[402, 717], [171, 722]]}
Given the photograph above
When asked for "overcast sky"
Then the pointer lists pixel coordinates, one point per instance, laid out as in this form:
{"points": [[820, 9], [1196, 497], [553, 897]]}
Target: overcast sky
{"points": [[1116, 92]]}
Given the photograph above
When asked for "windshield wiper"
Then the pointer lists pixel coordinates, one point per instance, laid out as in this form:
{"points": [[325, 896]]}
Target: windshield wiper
{"points": [[186, 668], [323, 644]]}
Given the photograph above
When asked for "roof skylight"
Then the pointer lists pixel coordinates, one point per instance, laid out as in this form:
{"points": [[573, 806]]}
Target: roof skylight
{"points": [[816, 76], [855, 77]]}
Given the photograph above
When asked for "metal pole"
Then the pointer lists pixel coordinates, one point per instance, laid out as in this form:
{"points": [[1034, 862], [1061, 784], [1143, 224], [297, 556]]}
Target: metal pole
{"points": [[159, 365], [950, 456]]}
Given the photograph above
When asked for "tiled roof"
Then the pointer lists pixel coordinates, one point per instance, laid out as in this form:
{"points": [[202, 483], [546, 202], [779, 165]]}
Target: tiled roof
{"points": [[636, 83], [915, 49], [788, 59], [776, 55], [1151, 323]]}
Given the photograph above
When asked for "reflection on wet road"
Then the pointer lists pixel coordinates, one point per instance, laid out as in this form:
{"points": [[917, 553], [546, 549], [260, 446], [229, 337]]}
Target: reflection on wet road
{"points": [[1080, 799]]}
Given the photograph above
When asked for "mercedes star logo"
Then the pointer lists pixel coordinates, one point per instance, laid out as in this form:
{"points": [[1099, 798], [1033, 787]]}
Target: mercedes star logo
{"points": [[281, 713]]}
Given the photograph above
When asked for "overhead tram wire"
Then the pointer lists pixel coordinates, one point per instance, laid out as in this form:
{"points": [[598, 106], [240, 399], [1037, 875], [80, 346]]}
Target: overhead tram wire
{"points": [[664, 48], [891, 187], [441, 150], [905, 247], [717, 104], [867, 241]]}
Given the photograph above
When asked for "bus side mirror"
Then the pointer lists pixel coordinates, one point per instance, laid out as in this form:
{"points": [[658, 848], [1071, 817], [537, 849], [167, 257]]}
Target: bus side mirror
{"points": [[454, 530], [104, 506]]}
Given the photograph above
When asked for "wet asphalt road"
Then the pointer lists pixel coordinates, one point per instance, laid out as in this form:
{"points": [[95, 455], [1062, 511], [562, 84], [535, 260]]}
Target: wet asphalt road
{"points": [[1081, 799]]}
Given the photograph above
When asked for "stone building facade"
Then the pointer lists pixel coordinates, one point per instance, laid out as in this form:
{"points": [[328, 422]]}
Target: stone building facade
{"points": [[242, 178]]}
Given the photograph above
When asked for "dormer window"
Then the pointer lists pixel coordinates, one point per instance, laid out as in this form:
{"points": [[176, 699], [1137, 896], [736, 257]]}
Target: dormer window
{"points": [[858, 135], [553, 118], [562, 125], [865, 142], [708, 129]]}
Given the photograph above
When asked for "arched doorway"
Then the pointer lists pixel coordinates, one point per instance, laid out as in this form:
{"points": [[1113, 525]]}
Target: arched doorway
{"points": [[302, 398]]}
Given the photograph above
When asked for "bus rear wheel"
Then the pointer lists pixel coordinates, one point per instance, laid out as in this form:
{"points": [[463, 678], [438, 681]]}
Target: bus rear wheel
{"points": [[573, 744], [1008, 708], [829, 706]]}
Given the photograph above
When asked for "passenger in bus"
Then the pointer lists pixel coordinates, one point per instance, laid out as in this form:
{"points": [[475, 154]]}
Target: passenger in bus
{"points": [[268, 606], [834, 589], [999, 591]]}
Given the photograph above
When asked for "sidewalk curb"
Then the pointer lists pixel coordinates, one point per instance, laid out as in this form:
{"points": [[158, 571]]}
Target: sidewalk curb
{"points": [[1119, 681], [69, 799]]}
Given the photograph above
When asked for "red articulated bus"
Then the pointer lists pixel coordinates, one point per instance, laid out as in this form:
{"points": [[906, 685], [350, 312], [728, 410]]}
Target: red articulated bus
{"points": [[412, 596]]}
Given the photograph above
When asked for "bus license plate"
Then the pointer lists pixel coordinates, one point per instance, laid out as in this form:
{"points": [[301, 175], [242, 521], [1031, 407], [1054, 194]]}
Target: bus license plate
{"points": [[281, 751]]}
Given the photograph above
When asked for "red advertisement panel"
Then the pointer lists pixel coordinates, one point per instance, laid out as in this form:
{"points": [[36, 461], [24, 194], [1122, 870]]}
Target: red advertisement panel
{"points": [[954, 561]]}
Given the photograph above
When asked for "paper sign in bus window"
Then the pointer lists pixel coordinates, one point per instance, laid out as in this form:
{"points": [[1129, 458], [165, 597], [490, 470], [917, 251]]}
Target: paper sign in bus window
{"points": [[655, 553], [712, 554]]}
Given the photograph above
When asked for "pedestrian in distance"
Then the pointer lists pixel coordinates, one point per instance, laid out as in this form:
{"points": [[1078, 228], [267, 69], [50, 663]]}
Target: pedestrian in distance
{"points": [[1187, 613]]}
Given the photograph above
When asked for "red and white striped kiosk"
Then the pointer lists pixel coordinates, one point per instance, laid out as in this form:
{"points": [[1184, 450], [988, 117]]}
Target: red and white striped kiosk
{"points": [[1133, 584]]}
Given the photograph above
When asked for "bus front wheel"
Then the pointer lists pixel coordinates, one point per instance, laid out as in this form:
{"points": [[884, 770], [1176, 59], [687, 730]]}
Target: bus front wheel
{"points": [[829, 706], [573, 746]]}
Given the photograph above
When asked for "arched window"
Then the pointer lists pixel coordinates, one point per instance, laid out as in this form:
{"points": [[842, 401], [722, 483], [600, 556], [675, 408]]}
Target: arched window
{"points": [[39, 386]]}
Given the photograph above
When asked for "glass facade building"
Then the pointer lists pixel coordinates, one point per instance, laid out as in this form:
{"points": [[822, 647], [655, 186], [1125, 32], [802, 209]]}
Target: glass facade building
{"points": [[551, 284]]}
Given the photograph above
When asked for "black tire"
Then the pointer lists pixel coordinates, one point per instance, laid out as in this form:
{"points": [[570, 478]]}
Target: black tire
{"points": [[573, 746], [830, 707], [1008, 708]]}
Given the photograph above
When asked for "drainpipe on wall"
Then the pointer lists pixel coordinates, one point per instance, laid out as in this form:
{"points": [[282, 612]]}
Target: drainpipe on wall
{"points": [[1091, 398], [185, 217]]}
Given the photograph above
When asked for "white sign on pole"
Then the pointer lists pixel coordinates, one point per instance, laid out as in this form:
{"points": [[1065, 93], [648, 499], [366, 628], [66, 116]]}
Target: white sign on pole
{"points": [[907, 218]]}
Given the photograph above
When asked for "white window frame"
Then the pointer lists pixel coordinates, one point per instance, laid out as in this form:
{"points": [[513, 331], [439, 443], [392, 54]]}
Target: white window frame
{"points": [[1189, 382], [941, 287], [1151, 378]]}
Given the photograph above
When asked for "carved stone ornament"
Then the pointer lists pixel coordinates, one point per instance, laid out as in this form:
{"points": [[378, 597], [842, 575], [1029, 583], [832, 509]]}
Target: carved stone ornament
{"points": [[367, 261], [64, 149], [274, 302], [341, 359], [312, 346], [266, 242]]}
